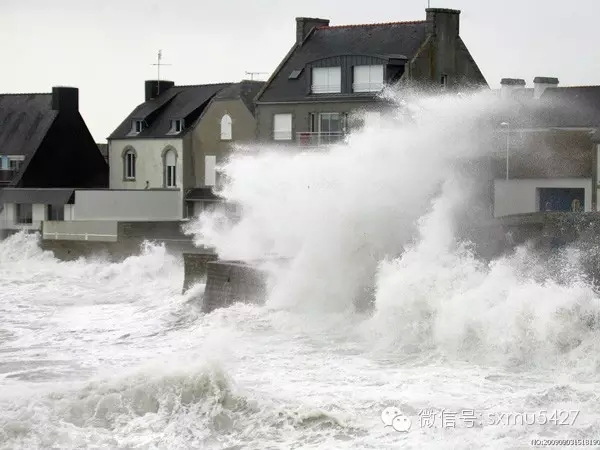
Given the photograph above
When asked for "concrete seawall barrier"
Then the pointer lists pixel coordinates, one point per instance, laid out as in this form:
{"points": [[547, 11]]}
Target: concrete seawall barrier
{"points": [[124, 240], [194, 267], [229, 282]]}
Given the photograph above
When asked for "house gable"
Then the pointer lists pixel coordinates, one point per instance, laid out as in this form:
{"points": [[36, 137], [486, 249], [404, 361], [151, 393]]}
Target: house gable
{"points": [[49, 136], [176, 103]]}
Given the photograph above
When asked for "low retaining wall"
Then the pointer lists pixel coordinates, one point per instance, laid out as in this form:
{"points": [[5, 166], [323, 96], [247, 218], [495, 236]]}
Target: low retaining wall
{"points": [[128, 240], [229, 282]]}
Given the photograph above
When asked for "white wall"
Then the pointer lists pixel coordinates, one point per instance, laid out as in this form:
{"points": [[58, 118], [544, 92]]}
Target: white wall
{"points": [[127, 205], [520, 196], [149, 162]]}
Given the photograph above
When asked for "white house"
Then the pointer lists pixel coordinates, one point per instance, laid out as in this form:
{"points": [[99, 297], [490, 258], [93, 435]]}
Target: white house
{"points": [[175, 139]]}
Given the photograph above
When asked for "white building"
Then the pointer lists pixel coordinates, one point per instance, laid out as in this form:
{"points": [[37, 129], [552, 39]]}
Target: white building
{"points": [[176, 138]]}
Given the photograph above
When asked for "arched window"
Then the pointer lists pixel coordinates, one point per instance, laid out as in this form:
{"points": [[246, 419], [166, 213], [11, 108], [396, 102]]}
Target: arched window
{"points": [[226, 128], [170, 165], [129, 159]]}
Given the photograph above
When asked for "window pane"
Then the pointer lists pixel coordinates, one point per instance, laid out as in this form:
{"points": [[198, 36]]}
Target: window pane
{"points": [[335, 79], [226, 127], [368, 78], [170, 158], [24, 213], [210, 163], [326, 80], [282, 127]]}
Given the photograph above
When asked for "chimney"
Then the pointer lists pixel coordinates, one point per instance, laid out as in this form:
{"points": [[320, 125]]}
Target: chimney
{"points": [[65, 99], [153, 88], [305, 24], [443, 25], [540, 84], [510, 84]]}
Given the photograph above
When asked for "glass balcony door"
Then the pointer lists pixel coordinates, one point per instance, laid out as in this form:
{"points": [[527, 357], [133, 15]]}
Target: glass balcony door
{"points": [[330, 128]]}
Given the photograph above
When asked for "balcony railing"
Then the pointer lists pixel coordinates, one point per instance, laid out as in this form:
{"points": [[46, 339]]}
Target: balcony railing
{"points": [[6, 175], [316, 139]]}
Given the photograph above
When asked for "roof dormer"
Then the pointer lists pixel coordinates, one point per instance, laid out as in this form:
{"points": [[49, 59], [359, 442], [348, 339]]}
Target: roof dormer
{"points": [[176, 126], [137, 126]]}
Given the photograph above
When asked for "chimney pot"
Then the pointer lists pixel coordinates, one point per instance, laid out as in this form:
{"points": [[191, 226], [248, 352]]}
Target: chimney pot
{"points": [[509, 85]]}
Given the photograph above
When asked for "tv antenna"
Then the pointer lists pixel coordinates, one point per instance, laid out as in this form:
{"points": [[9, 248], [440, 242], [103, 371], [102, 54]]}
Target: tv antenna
{"points": [[158, 65], [256, 73]]}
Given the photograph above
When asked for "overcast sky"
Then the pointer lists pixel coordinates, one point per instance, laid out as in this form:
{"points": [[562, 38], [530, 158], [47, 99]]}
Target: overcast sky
{"points": [[106, 48]]}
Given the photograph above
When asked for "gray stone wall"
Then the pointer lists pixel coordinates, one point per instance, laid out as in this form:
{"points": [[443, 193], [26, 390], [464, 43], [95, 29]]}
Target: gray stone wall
{"points": [[229, 282], [195, 268]]}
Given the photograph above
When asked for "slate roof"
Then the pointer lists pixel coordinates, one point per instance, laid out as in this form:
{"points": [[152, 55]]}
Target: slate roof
{"points": [[103, 150], [383, 39], [573, 106], [560, 107], [178, 102], [46, 196], [24, 122], [246, 90]]}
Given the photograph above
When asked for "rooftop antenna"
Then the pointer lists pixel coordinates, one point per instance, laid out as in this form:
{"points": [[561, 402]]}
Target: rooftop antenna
{"points": [[158, 64], [256, 73]]}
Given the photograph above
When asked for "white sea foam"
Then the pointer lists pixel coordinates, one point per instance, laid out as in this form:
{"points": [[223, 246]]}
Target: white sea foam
{"points": [[111, 355]]}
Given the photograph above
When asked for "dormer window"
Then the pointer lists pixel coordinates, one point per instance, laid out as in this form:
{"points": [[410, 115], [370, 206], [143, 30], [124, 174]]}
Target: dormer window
{"points": [[138, 126], [368, 78], [177, 125], [326, 80]]}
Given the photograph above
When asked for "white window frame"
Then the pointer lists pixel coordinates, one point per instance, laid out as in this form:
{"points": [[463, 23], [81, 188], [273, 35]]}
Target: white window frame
{"points": [[178, 125], [11, 162], [129, 163], [170, 169], [332, 80], [137, 126], [282, 127], [226, 128], [170, 176], [373, 82], [210, 170]]}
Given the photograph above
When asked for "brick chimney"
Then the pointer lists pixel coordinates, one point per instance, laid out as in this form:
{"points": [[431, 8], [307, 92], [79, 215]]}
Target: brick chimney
{"points": [[65, 99], [153, 88], [443, 25], [510, 84], [305, 24], [540, 84]]}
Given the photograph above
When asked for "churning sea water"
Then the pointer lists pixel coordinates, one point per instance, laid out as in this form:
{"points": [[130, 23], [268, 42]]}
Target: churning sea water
{"points": [[106, 355]]}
